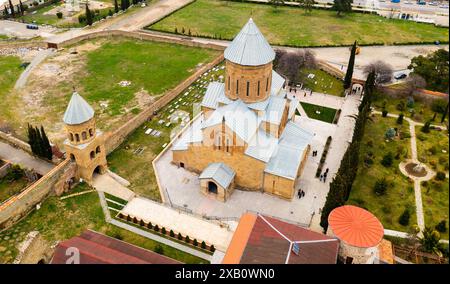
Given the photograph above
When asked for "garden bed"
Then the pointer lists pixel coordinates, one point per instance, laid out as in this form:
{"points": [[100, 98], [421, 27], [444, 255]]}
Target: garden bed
{"points": [[322, 113]]}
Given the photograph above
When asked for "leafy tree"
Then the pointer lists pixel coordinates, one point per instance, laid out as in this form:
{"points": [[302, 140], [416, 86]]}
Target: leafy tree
{"points": [[442, 226], [306, 4], [440, 175], [434, 68], [380, 186], [404, 218], [414, 82], [116, 6], [276, 3], [89, 16], [350, 67], [203, 245], [59, 15], [387, 160], [342, 6], [400, 119], [390, 133], [430, 241]]}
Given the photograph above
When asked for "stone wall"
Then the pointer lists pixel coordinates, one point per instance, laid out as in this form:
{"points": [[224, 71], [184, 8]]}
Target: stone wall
{"points": [[114, 139], [19, 205], [15, 142], [4, 169]]}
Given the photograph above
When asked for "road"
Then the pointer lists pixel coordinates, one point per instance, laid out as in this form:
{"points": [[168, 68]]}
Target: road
{"points": [[22, 158], [15, 29], [40, 56]]}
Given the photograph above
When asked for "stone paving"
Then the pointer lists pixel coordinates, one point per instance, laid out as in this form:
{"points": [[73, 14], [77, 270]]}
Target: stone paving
{"points": [[106, 183], [25, 160]]}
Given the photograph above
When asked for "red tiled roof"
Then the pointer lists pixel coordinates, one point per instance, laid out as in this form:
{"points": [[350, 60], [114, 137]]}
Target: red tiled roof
{"points": [[356, 226], [96, 248], [270, 239]]}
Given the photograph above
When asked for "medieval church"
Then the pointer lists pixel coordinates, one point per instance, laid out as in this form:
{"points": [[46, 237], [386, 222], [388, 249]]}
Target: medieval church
{"points": [[246, 136]]}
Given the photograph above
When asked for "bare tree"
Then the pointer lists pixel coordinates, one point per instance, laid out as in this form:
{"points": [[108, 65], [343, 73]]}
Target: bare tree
{"points": [[414, 82], [289, 63], [383, 71]]}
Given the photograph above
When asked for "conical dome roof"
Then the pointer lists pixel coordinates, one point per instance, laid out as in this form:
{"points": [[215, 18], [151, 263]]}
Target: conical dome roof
{"points": [[250, 47], [78, 110]]}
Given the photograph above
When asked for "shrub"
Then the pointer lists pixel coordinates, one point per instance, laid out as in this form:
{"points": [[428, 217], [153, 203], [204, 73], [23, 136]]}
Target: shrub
{"points": [[156, 228], [400, 119], [401, 106], [390, 133], [82, 18], [387, 160], [404, 218], [172, 234], [195, 242], [440, 176], [15, 172], [142, 223], [203, 245], [442, 226], [163, 230], [180, 237], [380, 186], [110, 13], [384, 113], [212, 248], [135, 220], [370, 143], [410, 102], [118, 236], [432, 150], [426, 127], [128, 218], [59, 15], [149, 225], [159, 249], [187, 240]]}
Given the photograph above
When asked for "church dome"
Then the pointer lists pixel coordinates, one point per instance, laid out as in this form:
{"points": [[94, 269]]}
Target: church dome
{"points": [[78, 111]]}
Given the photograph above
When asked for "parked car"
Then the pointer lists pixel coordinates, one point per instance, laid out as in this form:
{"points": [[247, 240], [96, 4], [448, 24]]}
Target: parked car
{"points": [[400, 76], [407, 3], [395, 1], [421, 2], [32, 27]]}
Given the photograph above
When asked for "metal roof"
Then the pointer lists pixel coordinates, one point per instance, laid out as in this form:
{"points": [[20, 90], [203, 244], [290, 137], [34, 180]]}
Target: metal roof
{"points": [[277, 83], [78, 110], [262, 146], [275, 109], [193, 134], [213, 92], [249, 47], [220, 173], [289, 153]]}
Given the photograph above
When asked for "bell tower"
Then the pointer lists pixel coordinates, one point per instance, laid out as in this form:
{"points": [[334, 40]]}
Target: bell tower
{"points": [[85, 144]]}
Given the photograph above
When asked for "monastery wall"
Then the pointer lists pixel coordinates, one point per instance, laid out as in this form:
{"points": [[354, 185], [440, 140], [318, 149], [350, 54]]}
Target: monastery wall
{"points": [[18, 206], [15, 142]]}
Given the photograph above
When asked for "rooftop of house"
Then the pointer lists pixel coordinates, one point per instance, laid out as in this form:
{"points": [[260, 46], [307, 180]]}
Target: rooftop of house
{"points": [[95, 248], [260, 239]]}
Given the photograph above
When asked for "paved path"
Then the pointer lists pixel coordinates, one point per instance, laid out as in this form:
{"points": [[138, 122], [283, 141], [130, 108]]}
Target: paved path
{"points": [[147, 234], [25, 160], [106, 183], [40, 56]]}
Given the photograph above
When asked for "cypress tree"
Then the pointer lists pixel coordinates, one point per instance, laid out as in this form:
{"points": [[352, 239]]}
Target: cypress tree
{"points": [[32, 138], [21, 7], [89, 18], [444, 114], [11, 7], [122, 5], [6, 12], [46, 143], [116, 6], [351, 65], [39, 143]]}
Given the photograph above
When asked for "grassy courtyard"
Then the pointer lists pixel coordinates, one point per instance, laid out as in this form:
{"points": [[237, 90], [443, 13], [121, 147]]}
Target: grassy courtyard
{"points": [[10, 70], [84, 212], [319, 112], [432, 149], [118, 77], [322, 82], [400, 192], [293, 26], [435, 198], [10, 188], [129, 164]]}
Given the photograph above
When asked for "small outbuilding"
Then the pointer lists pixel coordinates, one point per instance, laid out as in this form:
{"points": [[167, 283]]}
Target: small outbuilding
{"points": [[217, 179], [360, 234]]}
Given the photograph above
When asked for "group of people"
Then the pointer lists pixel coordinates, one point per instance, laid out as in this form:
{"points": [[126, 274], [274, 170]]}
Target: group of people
{"points": [[300, 193], [323, 177]]}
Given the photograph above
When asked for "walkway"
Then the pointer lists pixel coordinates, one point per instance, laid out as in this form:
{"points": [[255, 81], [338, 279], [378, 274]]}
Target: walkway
{"points": [[25, 160], [148, 235], [40, 56], [106, 183]]}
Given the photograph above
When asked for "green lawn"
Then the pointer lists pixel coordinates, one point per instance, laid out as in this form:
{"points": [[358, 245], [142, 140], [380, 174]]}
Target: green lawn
{"points": [[326, 114], [400, 193], [292, 26], [419, 111], [322, 82], [10, 71], [432, 149], [63, 219], [435, 203], [40, 19], [8, 189], [124, 162]]}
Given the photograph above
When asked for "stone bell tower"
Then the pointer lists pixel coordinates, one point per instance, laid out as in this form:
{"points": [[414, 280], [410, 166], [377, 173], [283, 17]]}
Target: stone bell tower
{"points": [[84, 144]]}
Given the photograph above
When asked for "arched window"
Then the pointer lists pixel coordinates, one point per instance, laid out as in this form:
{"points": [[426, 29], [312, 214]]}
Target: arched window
{"points": [[72, 157], [91, 132], [84, 135], [248, 88], [97, 150], [77, 137], [228, 146], [237, 87], [258, 89], [229, 83], [92, 155], [71, 137], [267, 84], [219, 140]]}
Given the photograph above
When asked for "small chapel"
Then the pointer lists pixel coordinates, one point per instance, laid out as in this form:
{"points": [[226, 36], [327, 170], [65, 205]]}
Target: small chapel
{"points": [[246, 136]]}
